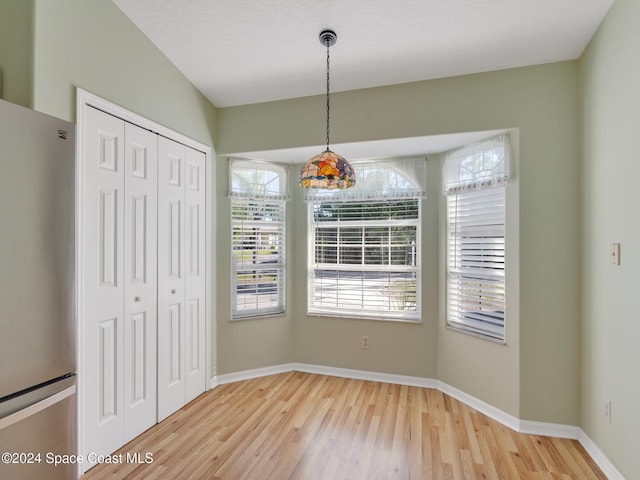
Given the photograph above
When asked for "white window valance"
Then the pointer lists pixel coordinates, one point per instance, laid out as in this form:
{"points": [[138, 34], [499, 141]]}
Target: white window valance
{"points": [[381, 179], [474, 167], [257, 179]]}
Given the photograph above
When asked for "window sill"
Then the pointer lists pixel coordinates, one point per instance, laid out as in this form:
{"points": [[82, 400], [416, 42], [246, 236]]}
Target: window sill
{"points": [[415, 321], [258, 316]]}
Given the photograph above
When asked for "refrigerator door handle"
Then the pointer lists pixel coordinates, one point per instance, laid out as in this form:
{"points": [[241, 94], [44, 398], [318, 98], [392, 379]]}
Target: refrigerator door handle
{"points": [[36, 407]]}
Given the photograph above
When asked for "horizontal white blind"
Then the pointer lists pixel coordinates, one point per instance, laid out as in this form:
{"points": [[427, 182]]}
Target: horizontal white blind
{"points": [[476, 261], [258, 260], [365, 258]]}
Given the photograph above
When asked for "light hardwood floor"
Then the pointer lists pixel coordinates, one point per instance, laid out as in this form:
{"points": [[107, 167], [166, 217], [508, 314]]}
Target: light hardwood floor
{"points": [[305, 426]]}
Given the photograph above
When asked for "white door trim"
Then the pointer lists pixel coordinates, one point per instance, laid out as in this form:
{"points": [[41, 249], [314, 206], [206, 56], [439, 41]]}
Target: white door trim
{"points": [[83, 99]]}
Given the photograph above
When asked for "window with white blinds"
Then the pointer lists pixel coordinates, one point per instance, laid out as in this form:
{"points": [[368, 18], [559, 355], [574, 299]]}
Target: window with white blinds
{"points": [[476, 266], [365, 258], [258, 210], [476, 237]]}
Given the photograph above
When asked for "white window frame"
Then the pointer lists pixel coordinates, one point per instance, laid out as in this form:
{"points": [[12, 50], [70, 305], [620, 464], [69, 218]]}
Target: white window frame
{"points": [[258, 228], [475, 181], [379, 181], [380, 291], [358, 294]]}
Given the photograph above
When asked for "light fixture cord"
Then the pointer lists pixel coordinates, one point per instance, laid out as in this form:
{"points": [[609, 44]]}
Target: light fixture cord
{"points": [[327, 43]]}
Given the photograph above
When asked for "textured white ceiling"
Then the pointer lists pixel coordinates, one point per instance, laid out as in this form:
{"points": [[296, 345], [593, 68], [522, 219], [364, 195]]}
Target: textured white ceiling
{"points": [[247, 51]]}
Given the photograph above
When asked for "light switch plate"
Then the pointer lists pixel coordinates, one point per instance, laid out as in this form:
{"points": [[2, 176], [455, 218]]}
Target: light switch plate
{"points": [[615, 254]]}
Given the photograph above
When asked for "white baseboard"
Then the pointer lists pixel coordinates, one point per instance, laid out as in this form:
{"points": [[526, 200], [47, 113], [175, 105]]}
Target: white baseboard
{"points": [[489, 410], [365, 375], [249, 374], [549, 429], [506, 419], [600, 458]]}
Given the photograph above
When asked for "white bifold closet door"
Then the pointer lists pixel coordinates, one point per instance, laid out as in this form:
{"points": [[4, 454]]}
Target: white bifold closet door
{"points": [[181, 285], [119, 281], [140, 280], [143, 237]]}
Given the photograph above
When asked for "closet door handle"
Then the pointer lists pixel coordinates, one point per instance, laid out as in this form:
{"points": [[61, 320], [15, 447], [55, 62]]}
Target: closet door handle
{"points": [[173, 291], [137, 299]]}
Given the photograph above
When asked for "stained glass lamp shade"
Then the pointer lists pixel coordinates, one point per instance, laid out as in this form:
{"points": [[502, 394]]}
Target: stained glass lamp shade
{"points": [[327, 170]]}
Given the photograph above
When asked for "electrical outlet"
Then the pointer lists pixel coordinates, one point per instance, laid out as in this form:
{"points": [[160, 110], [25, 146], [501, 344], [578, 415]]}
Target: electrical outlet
{"points": [[364, 343], [607, 410]]}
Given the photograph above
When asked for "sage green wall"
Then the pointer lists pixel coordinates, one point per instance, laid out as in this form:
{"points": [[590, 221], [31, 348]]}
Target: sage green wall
{"points": [[542, 363], [394, 347], [91, 44], [250, 343], [610, 80], [16, 51], [500, 385]]}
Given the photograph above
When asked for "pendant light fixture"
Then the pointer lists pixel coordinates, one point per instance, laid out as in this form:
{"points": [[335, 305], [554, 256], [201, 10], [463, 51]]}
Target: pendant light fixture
{"points": [[327, 170]]}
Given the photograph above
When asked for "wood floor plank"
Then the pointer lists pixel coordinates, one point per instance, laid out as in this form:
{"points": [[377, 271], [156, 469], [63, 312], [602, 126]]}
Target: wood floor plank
{"points": [[301, 426]]}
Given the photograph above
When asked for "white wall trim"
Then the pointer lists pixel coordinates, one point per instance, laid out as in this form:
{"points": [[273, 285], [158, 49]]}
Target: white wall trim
{"points": [[599, 457], [366, 375], [506, 419], [249, 374], [84, 97], [549, 429], [490, 411]]}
